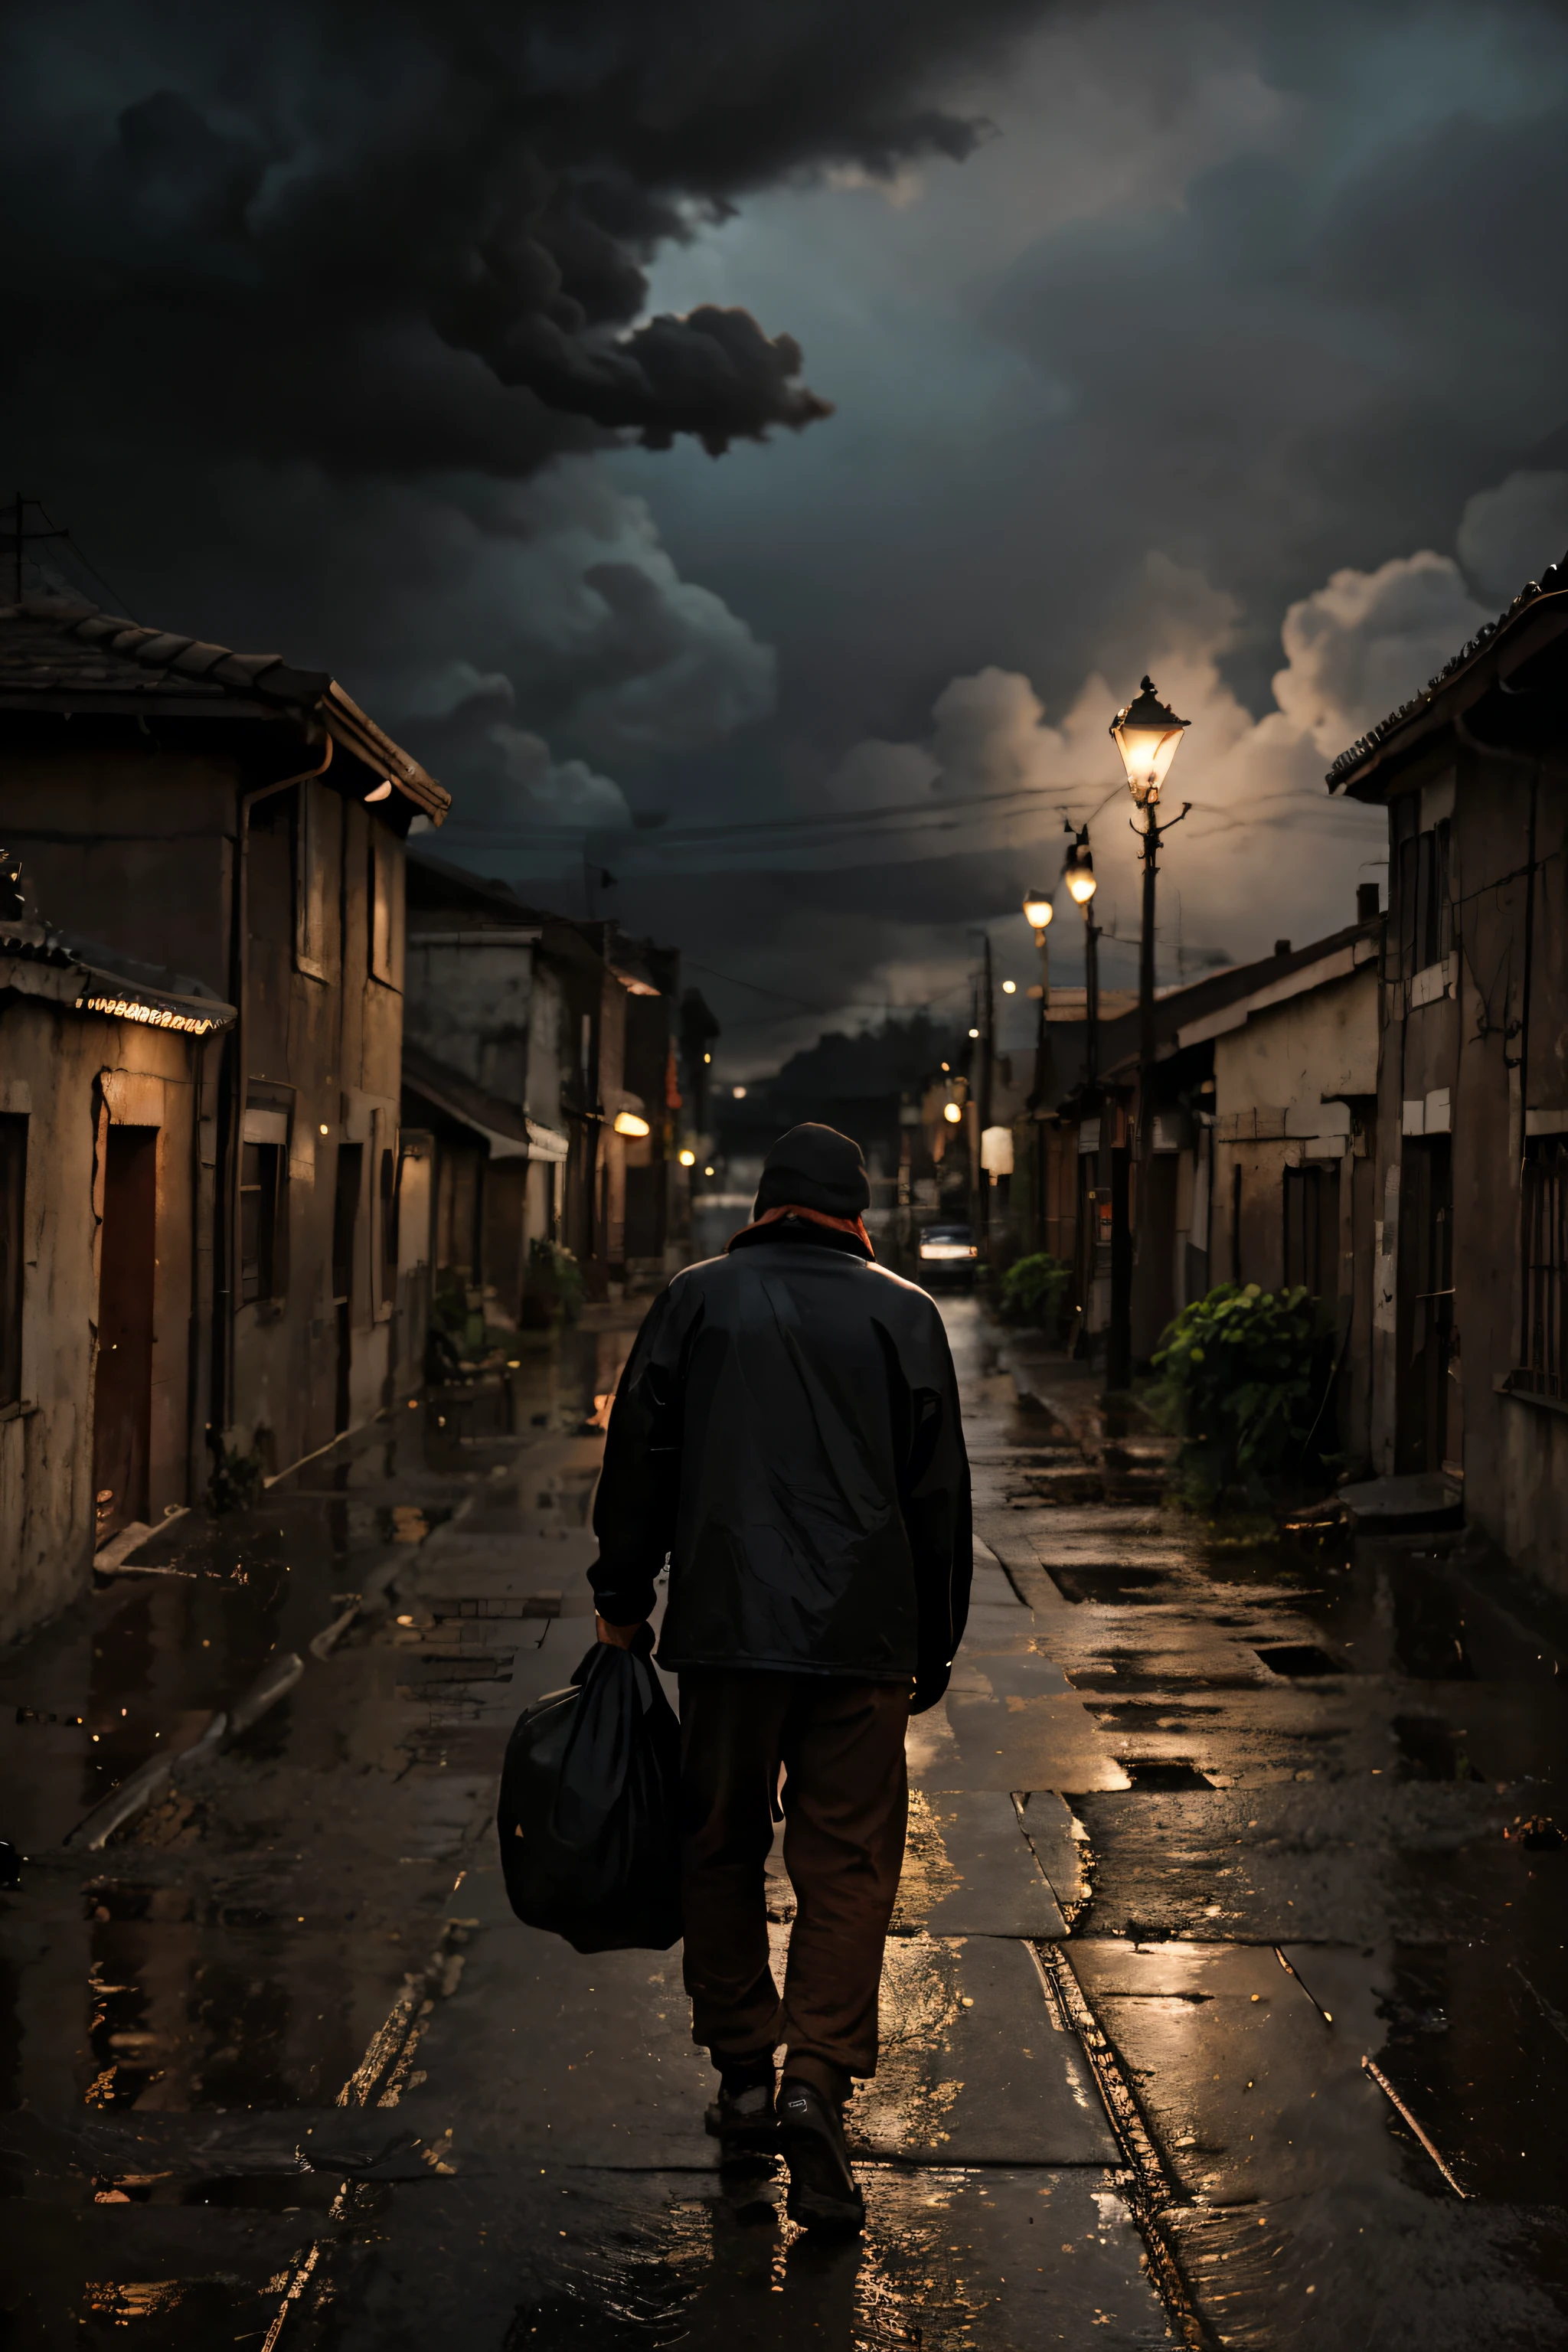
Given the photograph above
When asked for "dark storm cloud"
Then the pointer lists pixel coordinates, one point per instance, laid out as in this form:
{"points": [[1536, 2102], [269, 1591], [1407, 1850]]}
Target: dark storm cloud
{"points": [[260, 226]]}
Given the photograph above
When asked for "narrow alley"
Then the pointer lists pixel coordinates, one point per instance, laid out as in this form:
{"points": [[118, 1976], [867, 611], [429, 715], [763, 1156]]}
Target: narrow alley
{"points": [[1226, 2004]]}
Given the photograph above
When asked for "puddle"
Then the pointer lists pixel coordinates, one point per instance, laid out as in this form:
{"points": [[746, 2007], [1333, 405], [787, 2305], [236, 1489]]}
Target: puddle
{"points": [[1162, 1772], [1299, 1660], [1108, 1585]]}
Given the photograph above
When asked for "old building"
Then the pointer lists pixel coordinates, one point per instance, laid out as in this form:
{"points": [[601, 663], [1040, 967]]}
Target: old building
{"points": [[242, 821], [100, 1067], [540, 1059], [1281, 1167], [1262, 1098], [1470, 1339]]}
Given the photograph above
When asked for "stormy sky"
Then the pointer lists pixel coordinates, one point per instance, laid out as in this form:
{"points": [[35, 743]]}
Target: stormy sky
{"points": [[754, 450]]}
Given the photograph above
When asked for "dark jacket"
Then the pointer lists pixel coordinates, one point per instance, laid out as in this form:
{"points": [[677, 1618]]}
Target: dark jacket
{"points": [[787, 1430]]}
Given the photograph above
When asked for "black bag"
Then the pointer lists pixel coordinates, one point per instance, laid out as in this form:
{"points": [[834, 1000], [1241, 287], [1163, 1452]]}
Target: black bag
{"points": [[589, 1812]]}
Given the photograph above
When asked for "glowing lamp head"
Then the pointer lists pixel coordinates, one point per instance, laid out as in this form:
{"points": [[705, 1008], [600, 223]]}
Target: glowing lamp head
{"points": [[689, 1159], [952, 1112], [1009, 988], [628, 1123], [1037, 908], [1079, 871], [1147, 735]]}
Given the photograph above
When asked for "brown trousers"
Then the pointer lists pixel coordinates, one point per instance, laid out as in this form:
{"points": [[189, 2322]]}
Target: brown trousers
{"points": [[846, 1800]]}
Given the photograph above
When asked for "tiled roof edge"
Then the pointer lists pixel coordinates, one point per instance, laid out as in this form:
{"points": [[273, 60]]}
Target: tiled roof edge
{"points": [[267, 676], [1554, 581]]}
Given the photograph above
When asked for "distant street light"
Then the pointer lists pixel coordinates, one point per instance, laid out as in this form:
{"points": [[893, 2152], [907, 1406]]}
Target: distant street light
{"points": [[1077, 873], [628, 1123], [688, 1159], [1148, 735], [1009, 988], [1037, 908], [952, 1112]]}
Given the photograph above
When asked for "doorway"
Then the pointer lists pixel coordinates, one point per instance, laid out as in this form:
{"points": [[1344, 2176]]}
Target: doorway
{"points": [[122, 1393], [1426, 1304], [345, 1222]]}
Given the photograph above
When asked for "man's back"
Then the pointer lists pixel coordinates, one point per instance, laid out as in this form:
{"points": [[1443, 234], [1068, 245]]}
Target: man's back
{"points": [[787, 1430]]}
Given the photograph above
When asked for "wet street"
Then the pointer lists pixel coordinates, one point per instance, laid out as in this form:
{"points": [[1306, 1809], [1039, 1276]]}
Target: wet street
{"points": [[1226, 2004]]}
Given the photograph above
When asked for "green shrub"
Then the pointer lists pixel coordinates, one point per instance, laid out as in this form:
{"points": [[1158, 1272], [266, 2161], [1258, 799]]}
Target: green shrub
{"points": [[1242, 1375], [1034, 1290]]}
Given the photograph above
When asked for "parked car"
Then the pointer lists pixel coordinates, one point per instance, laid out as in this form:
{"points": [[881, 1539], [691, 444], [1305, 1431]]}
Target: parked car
{"points": [[948, 1254]]}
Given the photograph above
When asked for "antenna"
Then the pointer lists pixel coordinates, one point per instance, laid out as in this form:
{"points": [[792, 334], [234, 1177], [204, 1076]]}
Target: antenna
{"points": [[17, 539]]}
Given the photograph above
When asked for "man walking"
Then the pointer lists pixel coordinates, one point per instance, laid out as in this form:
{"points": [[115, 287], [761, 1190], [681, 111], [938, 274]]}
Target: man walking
{"points": [[787, 1431]]}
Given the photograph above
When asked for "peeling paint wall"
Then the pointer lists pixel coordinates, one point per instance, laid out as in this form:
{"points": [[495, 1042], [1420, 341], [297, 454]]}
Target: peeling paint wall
{"points": [[72, 1077]]}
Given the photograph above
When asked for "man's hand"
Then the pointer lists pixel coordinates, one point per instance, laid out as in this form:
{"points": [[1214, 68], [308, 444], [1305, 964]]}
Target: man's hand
{"points": [[620, 1637]]}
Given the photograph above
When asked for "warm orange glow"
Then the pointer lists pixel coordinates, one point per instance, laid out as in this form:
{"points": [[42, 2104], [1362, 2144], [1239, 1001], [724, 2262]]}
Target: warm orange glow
{"points": [[952, 1113], [628, 1123]]}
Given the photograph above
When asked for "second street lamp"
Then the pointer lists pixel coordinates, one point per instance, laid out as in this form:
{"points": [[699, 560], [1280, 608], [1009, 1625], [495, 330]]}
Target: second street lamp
{"points": [[1038, 912], [1148, 734], [1077, 873]]}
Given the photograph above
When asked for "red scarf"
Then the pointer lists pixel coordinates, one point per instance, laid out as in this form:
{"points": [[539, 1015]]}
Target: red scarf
{"points": [[856, 1225]]}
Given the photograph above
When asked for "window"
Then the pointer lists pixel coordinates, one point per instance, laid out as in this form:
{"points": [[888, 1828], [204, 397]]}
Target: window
{"points": [[311, 894], [1313, 1229], [1541, 1369], [385, 905], [1425, 901], [260, 1222], [13, 1190]]}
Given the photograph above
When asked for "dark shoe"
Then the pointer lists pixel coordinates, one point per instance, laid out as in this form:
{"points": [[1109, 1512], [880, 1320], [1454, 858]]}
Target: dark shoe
{"points": [[823, 2194], [743, 2121]]}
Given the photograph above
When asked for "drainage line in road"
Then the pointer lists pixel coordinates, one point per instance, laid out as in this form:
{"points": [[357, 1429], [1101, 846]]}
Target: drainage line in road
{"points": [[1326, 2014], [1400, 2109], [381, 2074], [1152, 2192]]}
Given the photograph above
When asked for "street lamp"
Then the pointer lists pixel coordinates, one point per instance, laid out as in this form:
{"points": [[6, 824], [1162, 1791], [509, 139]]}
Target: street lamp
{"points": [[1038, 913], [1077, 873], [1148, 734]]}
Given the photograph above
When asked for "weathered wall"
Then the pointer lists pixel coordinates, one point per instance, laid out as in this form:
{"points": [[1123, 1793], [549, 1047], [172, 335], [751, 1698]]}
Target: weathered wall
{"points": [[70, 1075], [1501, 1047], [471, 1006], [323, 1047], [127, 841]]}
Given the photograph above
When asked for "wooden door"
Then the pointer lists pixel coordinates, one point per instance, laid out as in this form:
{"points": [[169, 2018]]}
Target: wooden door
{"points": [[1426, 1304], [345, 1223], [122, 1396]]}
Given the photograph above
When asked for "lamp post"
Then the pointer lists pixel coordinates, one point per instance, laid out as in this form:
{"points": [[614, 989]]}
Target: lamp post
{"points": [[1148, 734], [1077, 873], [1038, 913]]}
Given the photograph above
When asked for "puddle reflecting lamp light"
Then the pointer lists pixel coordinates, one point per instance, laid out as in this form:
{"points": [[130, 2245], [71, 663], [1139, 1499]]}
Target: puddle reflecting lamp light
{"points": [[1148, 735]]}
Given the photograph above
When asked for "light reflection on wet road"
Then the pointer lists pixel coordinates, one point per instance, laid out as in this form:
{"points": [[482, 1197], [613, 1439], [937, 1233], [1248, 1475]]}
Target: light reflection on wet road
{"points": [[277, 2068]]}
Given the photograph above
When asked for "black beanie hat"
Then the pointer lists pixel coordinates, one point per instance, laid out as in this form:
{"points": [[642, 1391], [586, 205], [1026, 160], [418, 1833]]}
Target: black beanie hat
{"points": [[815, 1168]]}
